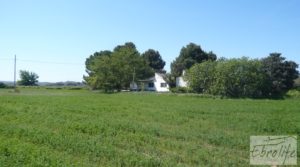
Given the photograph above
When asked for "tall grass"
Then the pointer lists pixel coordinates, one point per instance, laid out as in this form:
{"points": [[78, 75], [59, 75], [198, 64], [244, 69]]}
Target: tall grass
{"points": [[40, 127]]}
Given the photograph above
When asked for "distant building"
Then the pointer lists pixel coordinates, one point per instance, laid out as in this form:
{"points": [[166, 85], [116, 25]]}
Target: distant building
{"points": [[180, 82], [156, 83]]}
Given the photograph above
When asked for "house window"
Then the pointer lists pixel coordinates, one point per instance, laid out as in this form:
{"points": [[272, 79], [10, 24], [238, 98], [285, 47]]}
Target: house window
{"points": [[151, 85], [163, 85]]}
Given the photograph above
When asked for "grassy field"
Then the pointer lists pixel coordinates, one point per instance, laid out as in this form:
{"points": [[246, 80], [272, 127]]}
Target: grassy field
{"points": [[40, 127]]}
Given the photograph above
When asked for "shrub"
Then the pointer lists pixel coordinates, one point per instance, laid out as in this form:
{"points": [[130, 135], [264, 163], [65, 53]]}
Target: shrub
{"points": [[232, 78], [293, 93], [202, 76], [269, 77], [180, 90], [74, 88], [2, 85]]}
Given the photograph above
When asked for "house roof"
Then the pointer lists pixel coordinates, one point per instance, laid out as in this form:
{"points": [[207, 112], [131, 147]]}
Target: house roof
{"points": [[153, 78], [147, 80]]}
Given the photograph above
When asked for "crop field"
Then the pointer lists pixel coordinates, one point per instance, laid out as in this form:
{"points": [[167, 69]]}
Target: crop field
{"points": [[40, 127]]}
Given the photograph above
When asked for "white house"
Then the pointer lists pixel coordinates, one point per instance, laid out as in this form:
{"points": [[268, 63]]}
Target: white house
{"points": [[156, 83], [180, 82]]}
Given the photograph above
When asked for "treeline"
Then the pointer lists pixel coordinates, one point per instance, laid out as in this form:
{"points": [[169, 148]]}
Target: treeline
{"points": [[271, 76], [3, 85], [61, 84]]}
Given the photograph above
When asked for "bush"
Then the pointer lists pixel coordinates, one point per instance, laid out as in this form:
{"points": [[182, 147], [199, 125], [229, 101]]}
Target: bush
{"points": [[180, 90], [202, 76], [53, 87], [293, 93], [231, 78], [269, 77], [2, 85], [74, 88], [17, 90]]}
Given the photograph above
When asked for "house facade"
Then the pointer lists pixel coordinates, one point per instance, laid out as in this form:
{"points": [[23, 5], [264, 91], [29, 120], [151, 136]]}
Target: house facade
{"points": [[180, 82], [156, 83]]}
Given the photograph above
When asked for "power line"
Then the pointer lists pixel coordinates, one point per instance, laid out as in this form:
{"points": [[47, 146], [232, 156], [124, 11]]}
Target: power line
{"points": [[10, 59], [42, 62], [15, 60], [49, 62]]}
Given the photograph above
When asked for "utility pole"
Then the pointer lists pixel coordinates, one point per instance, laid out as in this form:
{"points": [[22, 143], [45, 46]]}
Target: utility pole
{"points": [[15, 67], [133, 75], [133, 84]]}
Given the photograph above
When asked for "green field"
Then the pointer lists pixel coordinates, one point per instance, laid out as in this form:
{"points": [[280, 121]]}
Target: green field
{"points": [[40, 127]]}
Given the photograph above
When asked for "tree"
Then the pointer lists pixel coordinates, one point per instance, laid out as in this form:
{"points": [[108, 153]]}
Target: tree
{"points": [[28, 78], [232, 78], [239, 78], [280, 74], [154, 60], [2, 85], [116, 70], [201, 76], [127, 62], [269, 77], [190, 55], [171, 80], [96, 67]]}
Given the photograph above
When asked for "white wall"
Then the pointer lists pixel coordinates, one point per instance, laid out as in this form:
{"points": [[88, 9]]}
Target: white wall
{"points": [[157, 84], [180, 82]]}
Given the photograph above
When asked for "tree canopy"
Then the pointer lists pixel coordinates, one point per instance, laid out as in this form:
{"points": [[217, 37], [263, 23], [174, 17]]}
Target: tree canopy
{"points": [[280, 74], [115, 70], [154, 60], [28, 78], [269, 77], [2, 85], [190, 55], [234, 78]]}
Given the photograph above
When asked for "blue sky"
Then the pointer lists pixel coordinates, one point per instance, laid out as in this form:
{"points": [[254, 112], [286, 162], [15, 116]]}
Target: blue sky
{"points": [[56, 36]]}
